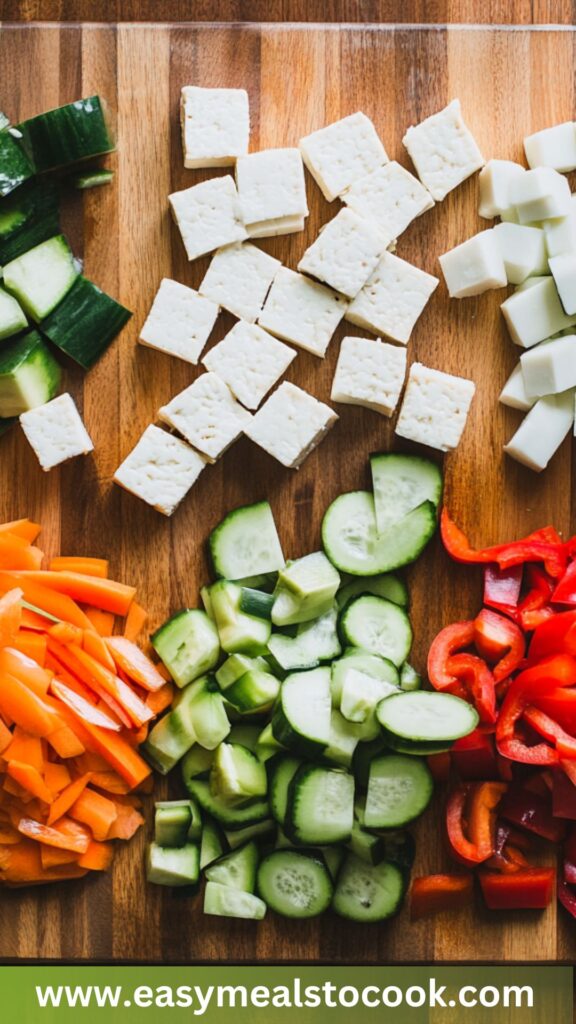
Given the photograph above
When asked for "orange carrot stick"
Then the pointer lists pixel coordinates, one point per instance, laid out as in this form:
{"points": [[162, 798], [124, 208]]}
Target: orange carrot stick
{"points": [[26, 670], [106, 594], [95, 675], [96, 811], [128, 656], [56, 776], [45, 597], [161, 699], [110, 782], [17, 553], [52, 857], [26, 709], [10, 615], [103, 622], [94, 645], [59, 836], [98, 857], [127, 822], [68, 797], [80, 564], [82, 709], [29, 778], [33, 645], [5, 737], [135, 621], [25, 748], [22, 528], [66, 633], [119, 754], [66, 743]]}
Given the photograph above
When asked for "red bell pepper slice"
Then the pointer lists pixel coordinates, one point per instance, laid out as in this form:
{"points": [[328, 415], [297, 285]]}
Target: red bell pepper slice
{"points": [[540, 587], [474, 757], [532, 812], [509, 741], [530, 889], [471, 821], [479, 682], [553, 555], [560, 704], [531, 618], [449, 640], [508, 856], [567, 897], [502, 588], [462, 849], [557, 636], [500, 642], [433, 894], [570, 858], [564, 802], [551, 731], [565, 592]]}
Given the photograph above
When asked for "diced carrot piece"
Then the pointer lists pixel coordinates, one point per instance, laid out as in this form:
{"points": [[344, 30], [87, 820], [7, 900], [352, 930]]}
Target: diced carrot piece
{"points": [[9, 836], [119, 754], [24, 528], [29, 778], [95, 646], [96, 811], [10, 615], [161, 699], [126, 824], [110, 782], [98, 857], [80, 564], [26, 709], [68, 797], [32, 620], [25, 669], [106, 594], [83, 709], [60, 836], [44, 597], [52, 857], [5, 736], [25, 748], [103, 622], [33, 645], [15, 789], [56, 776], [135, 621], [65, 742], [66, 633], [20, 863], [91, 762], [128, 656], [17, 553]]}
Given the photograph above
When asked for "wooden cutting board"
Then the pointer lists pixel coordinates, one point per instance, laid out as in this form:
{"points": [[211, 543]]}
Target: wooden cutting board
{"points": [[510, 82]]}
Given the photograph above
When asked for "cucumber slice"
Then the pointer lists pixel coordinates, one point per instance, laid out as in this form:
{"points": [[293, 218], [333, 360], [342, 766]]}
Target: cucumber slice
{"points": [[258, 831], [231, 818], [400, 849], [388, 585], [254, 692], [401, 483], [92, 179], [282, 772], [12, 317], [416, 749], [188, 645], [353, 545], [314, 642], [365, 846], [177, 822], [357, 660], [41, 277], [399, 790], [301, 719], [206, 710], [344, 738], [267, 745], [29, 374], [66, 135], [173, 866], [239, 632], [333, 857], [224, 901], [427, 717], [169, 740], [361, 694], [15, 165], [237, 869], [27, 217], [245, 735], [363, 757], [235, 667], [246, 543], [212, 843], [368, 892], [237, 775], [320, 806], [305, 590], [410, 679], [378, 626], [197, 761], [295, 883], [85, 323]]}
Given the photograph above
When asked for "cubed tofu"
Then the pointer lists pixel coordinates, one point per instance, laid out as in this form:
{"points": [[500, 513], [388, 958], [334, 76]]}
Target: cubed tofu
{"points": [[215, 126], [474, 267], [345, 253], [271, 187], [552, 147], [514, 394], [301, 311], [563, 269], [238, 279], [549, 368], [435, 408], [494, 181], [390, 197], [55, 432], [369, 373], [207, 415], [392, 299], [535, 313], [343, 152], [250, 361], [278, 226], [208, 216], [542, 431], [539, 195], [560, 234], [160, 470], [443, 150], [290, 424], [179, 322], [523, 250]]}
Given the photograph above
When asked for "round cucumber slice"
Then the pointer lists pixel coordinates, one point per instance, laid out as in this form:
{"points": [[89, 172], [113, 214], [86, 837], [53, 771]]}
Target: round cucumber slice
{"points": [[368, 892], [399, 790], [295, 883], [378, 626], [388, 585], [426, 717]]}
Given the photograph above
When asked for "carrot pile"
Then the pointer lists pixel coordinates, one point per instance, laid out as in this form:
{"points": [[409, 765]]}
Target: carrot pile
{"points": [[75, 703]]}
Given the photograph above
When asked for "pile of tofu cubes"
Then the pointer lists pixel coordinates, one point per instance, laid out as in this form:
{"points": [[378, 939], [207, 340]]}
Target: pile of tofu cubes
{"points": [[348, 272], [533, 248]]}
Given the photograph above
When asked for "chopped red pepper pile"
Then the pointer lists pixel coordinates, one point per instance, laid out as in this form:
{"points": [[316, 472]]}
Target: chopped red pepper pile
{"points": [[512, 782]]}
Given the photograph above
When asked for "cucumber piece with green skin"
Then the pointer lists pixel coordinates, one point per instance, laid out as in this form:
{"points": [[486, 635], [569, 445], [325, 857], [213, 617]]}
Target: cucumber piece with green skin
{"points": [[93, 179], [295, 883], [305, 590], [207, 712], [171, 866], [41, 277], [353, 545], [212, 844], [169, 740], [235, 667], [410, 679], [320, 806], [367, 847], [196, 762], [368, 892], [238, 631], [12, 317], [236, 869], [67, 134], [358, 660], [188, 645], [290, 609], [399, 790], [265, 581], [400, 849], [282, 771], [344, 738], [301, 719], [259, 831], [364, 754], [315, 641], [244, 734], [387, 585], [15, 165], [255, 691], [224, 901], [85, 322], [177, 822], [401, 483], [237, 775], [230, 818], [246, 543], [401, 746], [29, 374], [205, 598], [361, 693], [378, 626], [333, 857], [426, 717], [267, 745], [28, 216]]}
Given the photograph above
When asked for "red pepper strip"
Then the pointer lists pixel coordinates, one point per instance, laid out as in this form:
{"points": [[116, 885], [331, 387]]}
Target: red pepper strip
{"points": [[559, 704], [569, 769], [502, 588], [508, 741], [464, 849], [567, 897], [551, 731], [484, 799], [439, 765], [505, 555], [474, 757], [565, 592], [436, 893], [534, 813], [532, 618], [449, 640], [530, 889], [499, 640], [564, 801], [557, 636], [548, 534], [479, 681], [540, 587]]}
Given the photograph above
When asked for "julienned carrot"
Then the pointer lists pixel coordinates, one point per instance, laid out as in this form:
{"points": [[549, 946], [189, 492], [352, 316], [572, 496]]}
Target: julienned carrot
{"points": [[22, 528], [26, 709], [29, 778], [98, 857], [52, 857], [56, 776], [87, 680], [135, 621], [128, 821], [32, 620], [159, 700], [44, 597], [94, 645], [17, 553], [102, 593], [26, 670], [33, 645], [5, 737], [9, 836], [25, 748], [94, 674], [66, 633], [82, 708], [67, 798], [103, 622], [110, 782], [59, 836], [96, 811], [119, 754], [79, 563], [128, 656], [66, 743], [10, 614]]}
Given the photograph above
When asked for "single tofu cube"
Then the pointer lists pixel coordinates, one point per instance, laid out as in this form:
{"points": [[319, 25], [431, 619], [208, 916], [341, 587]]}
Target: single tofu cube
{"points": [[277, 226], [560, 234], [249, 361], [514, 393], [474, 266], [552, 147], [523, 250], [535, 313], [563, 269], [539, 195], [341, 153], [215, 126], [435, 408], [179, 322], [238, 279], [509, 216], [301, 311], [160, 470], [392, 299], [345, 253], [290, 424], [56, 432], [208, 216], [550, 368], [542, 431], [207, 415], [390, 197], [494, 181], [369, 373], [443, 150], [271, 187]]}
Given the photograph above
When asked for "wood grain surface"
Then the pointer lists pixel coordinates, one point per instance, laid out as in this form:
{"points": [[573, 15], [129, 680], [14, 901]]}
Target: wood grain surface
{"points": [[510, 83]]}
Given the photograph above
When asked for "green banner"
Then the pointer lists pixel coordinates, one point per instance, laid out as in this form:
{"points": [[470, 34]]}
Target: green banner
{"points": [[277, 995]]}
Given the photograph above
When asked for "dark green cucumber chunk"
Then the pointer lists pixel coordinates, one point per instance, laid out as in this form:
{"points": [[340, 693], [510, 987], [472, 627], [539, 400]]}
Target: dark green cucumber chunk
{"points": [[66, 135], [85, 323], [29, 374], [28, 216], [15, 166]]}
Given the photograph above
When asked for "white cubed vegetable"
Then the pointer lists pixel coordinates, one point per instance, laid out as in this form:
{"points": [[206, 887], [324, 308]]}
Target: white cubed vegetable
{"points": [[514, 394], [523, 250], [343, 152], [238, 279], [390, 197], [290, 424], [207, 415], [550, 367], [392, 298], [560, 233], [215, 125], [160, 470], [345, 253], [474, 266], [249, 361], [208, 216], [301, 311], [271, 187], [277, 226], [443, 150], [542, 431], [535, 313], [539, 195], [55, 432], [435, 408], [509, 216], [552, 147], [494, 181], [563, 269], [369, 373], [179, 322]]}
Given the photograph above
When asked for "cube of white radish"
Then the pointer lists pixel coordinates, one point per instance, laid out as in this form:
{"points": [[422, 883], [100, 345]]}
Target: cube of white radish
{"points": [[514, 394], [215, 125], [369, 373], [535, 313], [435, 408], [345, 253], [494, 180], [550, 368], [474, 266], [509, 216], [390, 197], [539, 195], [542, 431], [560, 234], [530, 282], [523, 250], [563, 269], [552, 147], [443, 150], [342, 152], [55, 432]]}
